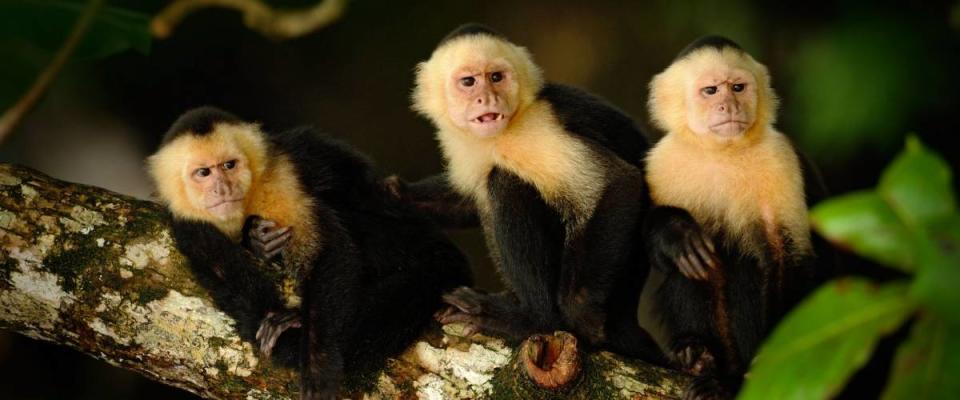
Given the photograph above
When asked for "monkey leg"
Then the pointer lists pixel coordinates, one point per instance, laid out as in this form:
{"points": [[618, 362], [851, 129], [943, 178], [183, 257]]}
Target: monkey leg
{"points": [[686, 308]]}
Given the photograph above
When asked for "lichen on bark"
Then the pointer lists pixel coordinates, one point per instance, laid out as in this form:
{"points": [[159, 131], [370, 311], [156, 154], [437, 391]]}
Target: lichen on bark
{"points": [[98, 271]]}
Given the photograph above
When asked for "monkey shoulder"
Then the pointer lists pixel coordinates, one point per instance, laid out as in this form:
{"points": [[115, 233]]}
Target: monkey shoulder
{"points": [[327, 167], [593, 118]]}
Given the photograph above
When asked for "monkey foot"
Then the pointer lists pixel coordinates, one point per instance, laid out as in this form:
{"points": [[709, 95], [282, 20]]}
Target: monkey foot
{"points": [[693, 356], [551, 361], [707, 388], [274, 324]]}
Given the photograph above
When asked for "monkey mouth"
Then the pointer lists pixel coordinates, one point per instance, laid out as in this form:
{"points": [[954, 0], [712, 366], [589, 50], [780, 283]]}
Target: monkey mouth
{"points": [[729, 121], [489, 117], [222, 204], [729, 127]]}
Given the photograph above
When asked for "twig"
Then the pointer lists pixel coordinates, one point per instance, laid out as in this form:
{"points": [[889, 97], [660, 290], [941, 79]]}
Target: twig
{"points": [[277, 24], [12, 117]]}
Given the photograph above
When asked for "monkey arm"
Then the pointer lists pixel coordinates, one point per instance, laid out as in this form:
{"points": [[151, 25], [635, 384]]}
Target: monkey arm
{"points": [[528, 236], [330, 298], [675, 241], [434, 198], [235, 282]]}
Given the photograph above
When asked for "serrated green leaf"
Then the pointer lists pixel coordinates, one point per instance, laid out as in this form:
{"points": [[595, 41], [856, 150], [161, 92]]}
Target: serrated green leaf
{"points": [[816, 348], [918, 186], [927, 364], [46, 24], [864, 223]]}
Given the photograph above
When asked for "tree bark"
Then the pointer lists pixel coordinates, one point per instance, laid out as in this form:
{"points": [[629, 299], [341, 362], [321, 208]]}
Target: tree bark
{"points": [[98, 271]]}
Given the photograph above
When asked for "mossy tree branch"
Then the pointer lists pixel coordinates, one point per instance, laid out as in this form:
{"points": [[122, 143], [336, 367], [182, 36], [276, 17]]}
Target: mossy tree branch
{"points": [[97, 271]]}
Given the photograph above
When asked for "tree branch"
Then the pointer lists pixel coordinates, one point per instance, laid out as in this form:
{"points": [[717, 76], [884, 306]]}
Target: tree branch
{"points": [[277, 24], [97, 271]]}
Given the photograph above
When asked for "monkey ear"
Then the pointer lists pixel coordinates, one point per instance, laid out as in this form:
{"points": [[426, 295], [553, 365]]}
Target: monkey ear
{"points": [[666, 99]]}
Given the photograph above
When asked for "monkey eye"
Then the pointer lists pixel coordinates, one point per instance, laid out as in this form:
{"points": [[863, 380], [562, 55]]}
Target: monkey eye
{"points": [[739, 87], [202, 172], [709, 90], [468, 81], [496, 76], [230, 164]]}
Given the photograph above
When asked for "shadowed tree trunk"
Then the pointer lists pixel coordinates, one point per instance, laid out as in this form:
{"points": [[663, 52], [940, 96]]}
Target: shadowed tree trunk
{"points": [[97, 271]]}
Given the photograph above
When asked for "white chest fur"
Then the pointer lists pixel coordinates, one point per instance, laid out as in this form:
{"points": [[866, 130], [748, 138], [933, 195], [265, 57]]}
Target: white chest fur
{"points": [[738, 190], [536, 148]]}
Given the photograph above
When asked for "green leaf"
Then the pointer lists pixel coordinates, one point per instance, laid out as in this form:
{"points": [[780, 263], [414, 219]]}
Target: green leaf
{"points": [[816, 348], [918, 185], [928, 363], [863, 222], [935, 287], [46, 24]]}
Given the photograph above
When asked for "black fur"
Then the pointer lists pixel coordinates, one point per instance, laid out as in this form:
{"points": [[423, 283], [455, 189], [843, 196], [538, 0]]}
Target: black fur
{"points": [[222, 267], [593, 118], [717, 42], [756, 293], [198, 121], [588, 284], [469, 29], [371, 289]]}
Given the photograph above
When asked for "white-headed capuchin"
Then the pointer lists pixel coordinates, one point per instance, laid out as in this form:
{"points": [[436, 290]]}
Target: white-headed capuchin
{"points": [[554, 175], [370, 272], [729, 226]]}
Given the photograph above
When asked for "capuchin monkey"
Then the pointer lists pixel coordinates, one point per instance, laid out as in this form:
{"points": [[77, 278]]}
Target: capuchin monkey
{"points": [[729, 226], [552, 175], [364, 272]]}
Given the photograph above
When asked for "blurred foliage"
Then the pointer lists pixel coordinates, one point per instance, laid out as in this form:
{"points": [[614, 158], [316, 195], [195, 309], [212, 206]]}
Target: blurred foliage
{"points": [[31, 31], [910, 221], [856, 84], [955, 17]]}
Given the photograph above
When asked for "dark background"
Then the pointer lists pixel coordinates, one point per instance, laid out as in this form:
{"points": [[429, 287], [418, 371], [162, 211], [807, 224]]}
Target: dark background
{"points": [[854, 78]]}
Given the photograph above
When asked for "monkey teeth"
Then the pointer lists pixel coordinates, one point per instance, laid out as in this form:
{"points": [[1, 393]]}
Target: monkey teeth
{"points": [[489, 117]]}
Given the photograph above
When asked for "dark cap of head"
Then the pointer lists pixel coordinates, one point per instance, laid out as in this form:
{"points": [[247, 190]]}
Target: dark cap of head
{"points": [[471, 29], [199, 121], [714, 41]]}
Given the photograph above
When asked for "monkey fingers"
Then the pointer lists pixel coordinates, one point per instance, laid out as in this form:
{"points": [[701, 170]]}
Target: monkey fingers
{"points": [[452, 315], [272, 326], [467, 300], [267, 240], [690, 267], [698, 257]]}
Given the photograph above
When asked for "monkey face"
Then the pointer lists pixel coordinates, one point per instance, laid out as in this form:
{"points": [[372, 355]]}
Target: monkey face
{"points": [[722, 101], [218, 186], [482, 97]]}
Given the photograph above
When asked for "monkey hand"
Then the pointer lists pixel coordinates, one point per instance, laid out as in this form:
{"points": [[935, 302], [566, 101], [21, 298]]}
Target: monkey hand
{"points": [[682, 242], [265, 238], [272, 326]]}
